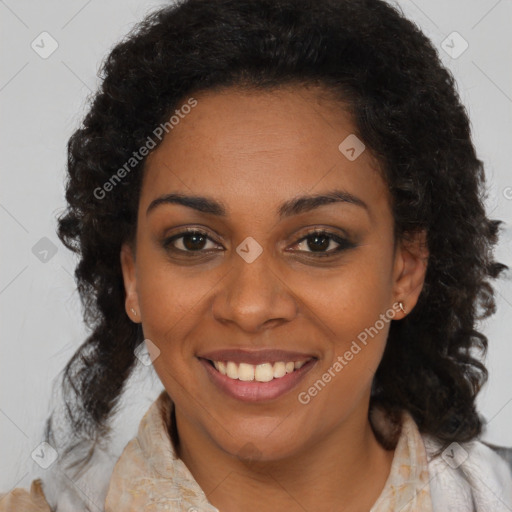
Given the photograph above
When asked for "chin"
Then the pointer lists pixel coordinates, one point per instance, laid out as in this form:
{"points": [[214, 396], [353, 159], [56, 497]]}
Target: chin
{"points": [[259, 448]]}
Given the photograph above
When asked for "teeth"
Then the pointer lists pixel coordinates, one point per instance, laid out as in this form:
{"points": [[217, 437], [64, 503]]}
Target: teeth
{"points": [[246, 371], [264, 372], [279, 370], [232, 370]]}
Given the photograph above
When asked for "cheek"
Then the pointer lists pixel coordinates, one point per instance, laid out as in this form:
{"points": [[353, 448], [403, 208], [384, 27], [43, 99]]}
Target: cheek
{"points": [[351, 297], [170, 302], [165, 298], [352, 308], [169, 296], [355, 318], [167, 291]]}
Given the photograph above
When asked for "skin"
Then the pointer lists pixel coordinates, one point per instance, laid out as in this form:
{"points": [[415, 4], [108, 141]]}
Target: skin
{"points": [[252, 151]]}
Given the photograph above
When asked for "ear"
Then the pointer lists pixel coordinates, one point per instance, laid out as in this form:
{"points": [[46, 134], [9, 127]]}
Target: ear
{"points": [[130, 282], [411, 261]]}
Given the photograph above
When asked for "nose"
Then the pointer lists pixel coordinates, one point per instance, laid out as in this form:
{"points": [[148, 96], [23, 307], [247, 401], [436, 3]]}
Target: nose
{"points": [[254, 296]]}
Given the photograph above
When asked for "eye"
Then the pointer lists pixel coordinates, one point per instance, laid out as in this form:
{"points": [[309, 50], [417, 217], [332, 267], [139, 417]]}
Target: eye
{"points": [[190, 241], [323, 243], [317, 243]]}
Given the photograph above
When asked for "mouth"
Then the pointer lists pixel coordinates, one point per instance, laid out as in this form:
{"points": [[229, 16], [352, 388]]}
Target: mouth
{"points": [[256, 382]]}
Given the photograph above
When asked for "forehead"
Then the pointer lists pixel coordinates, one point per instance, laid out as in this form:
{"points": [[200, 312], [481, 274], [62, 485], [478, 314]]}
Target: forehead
{"points": [[261, 147]]}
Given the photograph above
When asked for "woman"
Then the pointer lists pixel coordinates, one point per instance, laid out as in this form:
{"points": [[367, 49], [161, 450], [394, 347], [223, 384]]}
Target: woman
{"points": [[281, 201]]}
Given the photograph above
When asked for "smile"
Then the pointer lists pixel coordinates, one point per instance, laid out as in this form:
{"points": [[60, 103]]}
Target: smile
{"points": [[254, 383]]}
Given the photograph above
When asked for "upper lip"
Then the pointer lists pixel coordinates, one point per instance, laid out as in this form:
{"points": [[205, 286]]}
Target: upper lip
{"points": [[255, 356]]}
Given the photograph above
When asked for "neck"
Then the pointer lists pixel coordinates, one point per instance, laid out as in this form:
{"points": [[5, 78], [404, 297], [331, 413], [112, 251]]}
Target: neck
{"points": [[348, 467]]}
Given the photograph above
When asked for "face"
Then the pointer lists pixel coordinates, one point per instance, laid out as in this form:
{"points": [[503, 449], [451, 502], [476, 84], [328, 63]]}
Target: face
{"points": [[257, 264]]}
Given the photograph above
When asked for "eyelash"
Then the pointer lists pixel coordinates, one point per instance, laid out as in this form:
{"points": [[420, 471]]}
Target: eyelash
{"points": [[343, 243]]}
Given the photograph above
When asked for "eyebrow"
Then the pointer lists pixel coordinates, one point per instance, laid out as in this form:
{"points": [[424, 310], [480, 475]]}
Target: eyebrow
{"points": [[295, 206]]}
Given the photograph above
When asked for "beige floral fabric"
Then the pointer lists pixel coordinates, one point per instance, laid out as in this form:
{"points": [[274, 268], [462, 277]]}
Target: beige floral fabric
{"points": [[407, 487], [148, 475], [21, 500]]}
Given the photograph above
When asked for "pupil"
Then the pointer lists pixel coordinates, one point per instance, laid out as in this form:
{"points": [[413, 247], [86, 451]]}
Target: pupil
{"points": [[321, 245], [194, 238]]}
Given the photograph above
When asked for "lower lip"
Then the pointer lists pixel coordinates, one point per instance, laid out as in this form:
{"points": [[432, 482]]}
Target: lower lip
{"points": [[254, 391]]}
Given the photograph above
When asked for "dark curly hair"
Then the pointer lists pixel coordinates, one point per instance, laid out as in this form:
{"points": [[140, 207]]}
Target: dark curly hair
{"points": [[407, 111]]}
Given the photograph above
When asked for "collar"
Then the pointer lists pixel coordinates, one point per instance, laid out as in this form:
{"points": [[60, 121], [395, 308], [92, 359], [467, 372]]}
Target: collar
{"points": [[407, 488], [149, 475]]}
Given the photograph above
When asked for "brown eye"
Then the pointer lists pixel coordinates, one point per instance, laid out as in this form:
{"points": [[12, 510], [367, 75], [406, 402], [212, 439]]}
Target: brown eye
{"points": [[190, 241], [318, 242], [323, 243], [194, 241]]}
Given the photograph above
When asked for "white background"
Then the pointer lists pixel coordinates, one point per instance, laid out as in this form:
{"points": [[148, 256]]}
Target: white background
{"points": [[42, 102]]}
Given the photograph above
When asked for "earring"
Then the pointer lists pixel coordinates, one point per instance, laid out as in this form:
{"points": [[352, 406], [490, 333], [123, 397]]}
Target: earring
{"points": [[401, 304], [133, 311]]}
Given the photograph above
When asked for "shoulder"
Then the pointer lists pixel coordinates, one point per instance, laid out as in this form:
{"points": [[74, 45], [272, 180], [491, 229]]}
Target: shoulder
{"points": [[20, 499], [471, 473]]}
